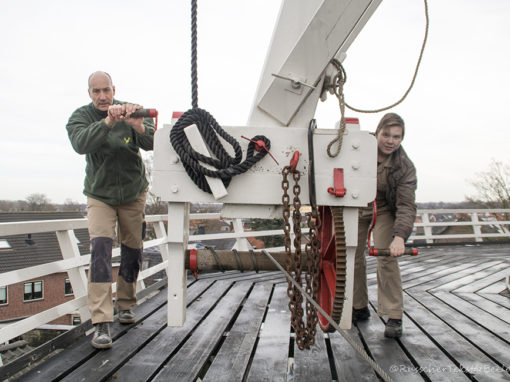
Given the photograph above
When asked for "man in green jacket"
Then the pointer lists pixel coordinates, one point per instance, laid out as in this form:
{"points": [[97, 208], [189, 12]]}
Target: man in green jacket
{"points": [[116, 187]]}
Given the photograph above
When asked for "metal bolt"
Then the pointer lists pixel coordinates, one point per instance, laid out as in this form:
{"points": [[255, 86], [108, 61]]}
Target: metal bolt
{"points": [[174, 189], [174, 159], [355, 165], [355, 194], [355, 144]]}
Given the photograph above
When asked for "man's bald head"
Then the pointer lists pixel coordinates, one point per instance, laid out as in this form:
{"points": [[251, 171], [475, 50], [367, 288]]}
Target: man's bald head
{"points": [[101, 90], [100, 74]]}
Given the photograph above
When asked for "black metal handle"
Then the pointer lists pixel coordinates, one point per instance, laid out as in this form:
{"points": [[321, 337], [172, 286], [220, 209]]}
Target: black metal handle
{"points": [[386, 252], [144, 113]]}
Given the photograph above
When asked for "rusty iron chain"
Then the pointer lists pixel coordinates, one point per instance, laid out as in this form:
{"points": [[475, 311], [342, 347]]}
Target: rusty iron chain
{"points": [[304, 335]]}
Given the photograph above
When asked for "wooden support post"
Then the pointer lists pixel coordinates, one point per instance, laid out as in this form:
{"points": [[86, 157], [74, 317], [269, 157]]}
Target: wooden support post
{"points": [[242, 243], [77, 277], [159, 228], [427, 229], [477, 229], [178, 232]]}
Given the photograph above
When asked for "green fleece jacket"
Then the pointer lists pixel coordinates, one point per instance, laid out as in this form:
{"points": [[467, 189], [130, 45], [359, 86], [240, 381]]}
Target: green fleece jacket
{"points": [[115, 173]]}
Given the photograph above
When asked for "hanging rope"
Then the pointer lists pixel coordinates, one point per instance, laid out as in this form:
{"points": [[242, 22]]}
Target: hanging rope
{"points": [[338, 88], [415, 71], [194, 71], [226, 166]]}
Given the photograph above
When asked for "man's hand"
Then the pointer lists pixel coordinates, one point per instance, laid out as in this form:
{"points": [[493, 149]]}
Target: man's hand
{"points": [[117, 113], [397, 247]]}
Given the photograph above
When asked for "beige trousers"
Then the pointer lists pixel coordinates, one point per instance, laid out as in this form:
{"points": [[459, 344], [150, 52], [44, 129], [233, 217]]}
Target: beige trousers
{"points": [[102, 222], [390, 300]]}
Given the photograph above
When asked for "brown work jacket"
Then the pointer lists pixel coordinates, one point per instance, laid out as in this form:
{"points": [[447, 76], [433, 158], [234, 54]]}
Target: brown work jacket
{"points": [[400, 192]]}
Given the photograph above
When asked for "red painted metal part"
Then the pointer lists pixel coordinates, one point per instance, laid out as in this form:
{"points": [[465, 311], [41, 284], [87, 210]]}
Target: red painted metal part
{"points": [[327, 280], [153, 113], [193, 262], [259, 146], [338, 178], [294, 161], [371, 250], [351, 121]]}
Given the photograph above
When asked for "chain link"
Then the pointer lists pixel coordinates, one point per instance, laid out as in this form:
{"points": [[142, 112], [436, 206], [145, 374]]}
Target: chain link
{"points": [[304, 335]]}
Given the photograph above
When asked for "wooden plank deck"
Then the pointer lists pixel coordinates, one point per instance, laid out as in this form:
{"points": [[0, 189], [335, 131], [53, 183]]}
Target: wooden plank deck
{"points": [[456, 328]]}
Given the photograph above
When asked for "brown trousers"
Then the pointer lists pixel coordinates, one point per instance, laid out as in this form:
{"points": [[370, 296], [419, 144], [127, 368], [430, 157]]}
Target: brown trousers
{"points": [[102, 222], [390, 300]]}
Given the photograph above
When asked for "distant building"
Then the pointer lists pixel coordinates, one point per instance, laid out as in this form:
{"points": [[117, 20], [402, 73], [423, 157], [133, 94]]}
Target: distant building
{"points": [[30, 297]]}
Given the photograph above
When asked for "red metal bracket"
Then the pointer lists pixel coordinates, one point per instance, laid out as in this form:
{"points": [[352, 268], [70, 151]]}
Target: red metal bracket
{"points": [[294, 161], [338, 177], [259, 146], [193, 262]]}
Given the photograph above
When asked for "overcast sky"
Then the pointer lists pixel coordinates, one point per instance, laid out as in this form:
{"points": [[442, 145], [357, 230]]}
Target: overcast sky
{"points": [[456, 115]]}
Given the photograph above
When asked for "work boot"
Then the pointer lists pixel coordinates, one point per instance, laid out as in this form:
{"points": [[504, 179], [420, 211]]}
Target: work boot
{"points": [[102, 338], [393, 328], [126, 316], [360, 314]]}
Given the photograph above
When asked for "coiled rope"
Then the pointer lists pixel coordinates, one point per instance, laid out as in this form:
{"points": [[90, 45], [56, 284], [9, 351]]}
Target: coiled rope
{"points": [[226, 166]]}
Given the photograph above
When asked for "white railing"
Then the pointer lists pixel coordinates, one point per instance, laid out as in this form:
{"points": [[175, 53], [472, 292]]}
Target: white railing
{"points": [[451, 224], [75, 265]]}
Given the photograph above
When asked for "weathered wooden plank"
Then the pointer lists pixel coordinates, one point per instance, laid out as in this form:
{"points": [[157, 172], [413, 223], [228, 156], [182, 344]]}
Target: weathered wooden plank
{"points": [[409, 275], [245, 276], [426, 355], [349, 364], [385, 351], [473, 314], [487, 305], [497, 298], [465, 280], [447, 275], [79, 352], [438, 320], [312, 364], [104, 363], [188, 362], [485, 279], [494, 288], [146, 363], [232, 360], [271, 357]]}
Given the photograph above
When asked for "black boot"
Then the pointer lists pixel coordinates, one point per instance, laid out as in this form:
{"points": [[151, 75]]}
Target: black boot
{"points": [[360, 314], [393, 328]]}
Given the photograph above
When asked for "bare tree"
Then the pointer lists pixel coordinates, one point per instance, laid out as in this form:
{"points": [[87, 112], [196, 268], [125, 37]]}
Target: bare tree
{"points": [[39, 202], [154, 204], [493, 186], [71, 205]]}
